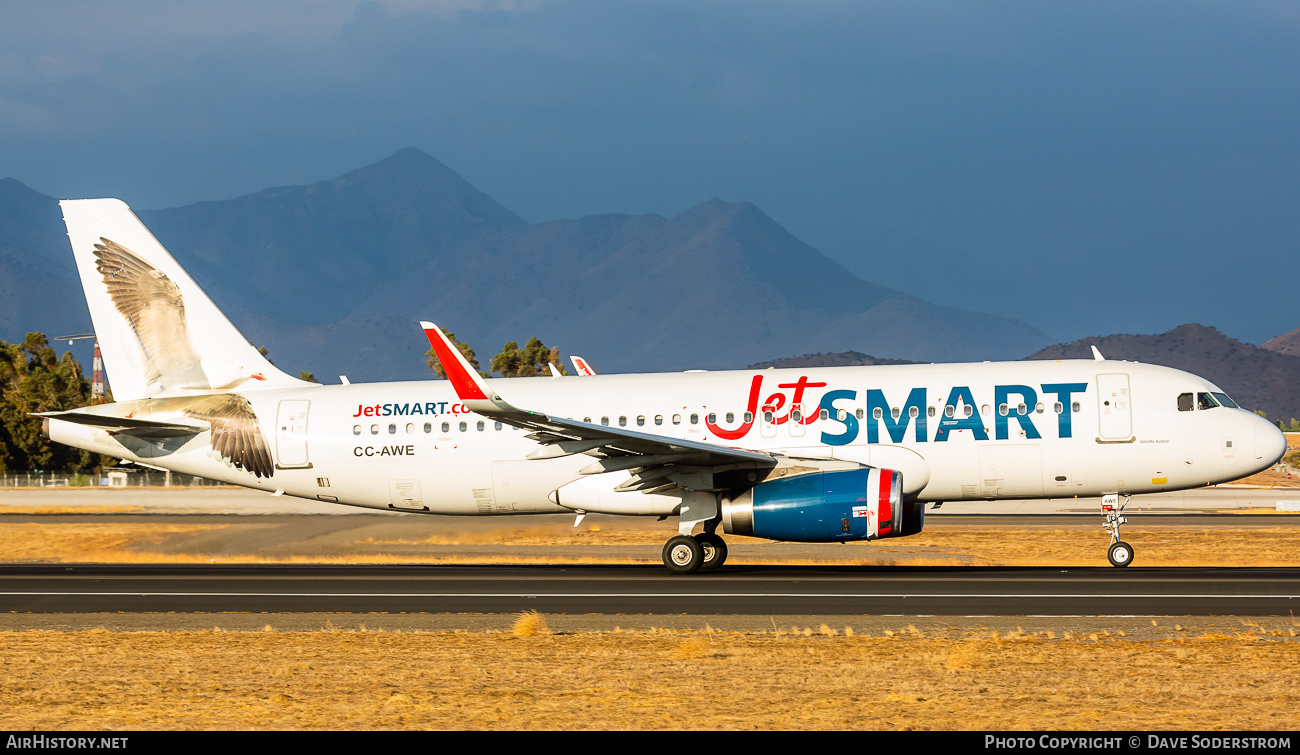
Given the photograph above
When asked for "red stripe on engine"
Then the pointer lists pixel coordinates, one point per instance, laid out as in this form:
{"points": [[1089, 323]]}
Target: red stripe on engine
{"points": [[886, 520]]}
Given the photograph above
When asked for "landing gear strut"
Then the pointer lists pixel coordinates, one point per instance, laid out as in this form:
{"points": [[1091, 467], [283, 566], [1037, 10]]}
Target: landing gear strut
{"points": [[1120, 553]]}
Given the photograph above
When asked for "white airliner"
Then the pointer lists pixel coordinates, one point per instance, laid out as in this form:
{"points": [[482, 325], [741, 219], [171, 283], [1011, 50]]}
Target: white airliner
{"points": [[808, 455]]}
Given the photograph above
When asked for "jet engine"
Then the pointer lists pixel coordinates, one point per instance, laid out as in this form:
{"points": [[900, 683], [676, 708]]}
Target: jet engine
{"points": [[825, 507]]}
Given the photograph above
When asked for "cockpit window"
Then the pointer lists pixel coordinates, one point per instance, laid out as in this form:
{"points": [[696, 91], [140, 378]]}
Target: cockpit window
{"points": [[1184, 402], [1205, 401], [1225, 401]]}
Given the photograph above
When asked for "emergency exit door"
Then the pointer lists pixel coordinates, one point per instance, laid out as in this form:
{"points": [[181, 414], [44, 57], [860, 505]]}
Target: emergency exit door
{"points": [[291, 435], [1114, 407]]}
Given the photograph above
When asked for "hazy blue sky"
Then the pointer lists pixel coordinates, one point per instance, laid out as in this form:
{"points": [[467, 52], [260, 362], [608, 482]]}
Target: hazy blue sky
{"points": [[1088, 167]]}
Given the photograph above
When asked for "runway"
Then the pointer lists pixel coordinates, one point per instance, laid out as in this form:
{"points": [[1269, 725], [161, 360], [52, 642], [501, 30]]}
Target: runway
{"points": [[756, 590]]}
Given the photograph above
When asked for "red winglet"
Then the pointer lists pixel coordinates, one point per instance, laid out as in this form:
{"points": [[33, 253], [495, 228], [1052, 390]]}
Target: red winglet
{"points": [[462, 376]]}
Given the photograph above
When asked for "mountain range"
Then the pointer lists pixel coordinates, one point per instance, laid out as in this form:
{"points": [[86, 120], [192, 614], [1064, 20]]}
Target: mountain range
{"points": [[1287, 343], [1261, 377], [1255, 377], [333, 277]]}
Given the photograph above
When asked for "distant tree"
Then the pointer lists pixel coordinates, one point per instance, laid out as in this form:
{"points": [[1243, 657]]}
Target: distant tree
{"points": [[431, 357], [530, 361], [308, 376], [264, 352], [34, 379]]}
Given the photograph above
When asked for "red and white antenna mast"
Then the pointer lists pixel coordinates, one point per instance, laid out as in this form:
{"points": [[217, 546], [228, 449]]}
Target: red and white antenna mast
{"points": [[97, 382], [97, 392]]}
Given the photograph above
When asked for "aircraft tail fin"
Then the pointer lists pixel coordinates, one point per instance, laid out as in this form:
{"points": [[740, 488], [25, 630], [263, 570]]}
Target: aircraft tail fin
{"points": [[158, 332]]}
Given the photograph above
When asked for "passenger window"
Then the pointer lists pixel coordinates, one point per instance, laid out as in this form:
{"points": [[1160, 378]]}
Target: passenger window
{"points": [[948, 411], [1075, 407], [731, 417], [749, 417], [428, 427], [824, 414], [967, 410], [498, 425], [860, 413], [622, 421], [587, 420], [410, 428], [877, 413], [446, 427], [480, 426], [796, 416], [1022, 410], [914, 412], [695, 419], [1058, 407], [713, 418], [464, 427], [392, 429], [374, 429], [1002, 409], [895, 412], [841, 415], [604, 421], [659, 419], [985, 410], [356, 429], [930, 412], [1039, 407], [640, 420], [768, 416], [677, 419]]}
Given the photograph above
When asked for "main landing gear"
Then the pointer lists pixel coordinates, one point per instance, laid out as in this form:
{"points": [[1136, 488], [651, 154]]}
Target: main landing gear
{"points": [[687, 554], [1120, 553]]}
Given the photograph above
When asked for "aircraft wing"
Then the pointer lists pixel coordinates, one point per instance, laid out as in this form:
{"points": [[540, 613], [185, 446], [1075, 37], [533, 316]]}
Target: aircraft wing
{"points": [[616, 448]]}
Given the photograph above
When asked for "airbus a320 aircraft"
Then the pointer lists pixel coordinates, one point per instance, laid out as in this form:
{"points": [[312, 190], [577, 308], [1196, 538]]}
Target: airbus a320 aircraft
{"points": [[808, 455]]}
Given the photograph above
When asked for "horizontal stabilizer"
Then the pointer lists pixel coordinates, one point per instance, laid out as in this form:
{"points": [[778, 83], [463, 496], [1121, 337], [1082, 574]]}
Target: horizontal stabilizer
{"points": [[124, 424]]}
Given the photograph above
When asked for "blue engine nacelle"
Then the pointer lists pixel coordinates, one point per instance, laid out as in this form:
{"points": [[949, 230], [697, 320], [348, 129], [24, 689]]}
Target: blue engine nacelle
{"points": [[825, 507]]}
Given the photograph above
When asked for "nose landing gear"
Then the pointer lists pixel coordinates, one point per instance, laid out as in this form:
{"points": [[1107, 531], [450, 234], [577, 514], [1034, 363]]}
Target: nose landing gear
{"points": [[1120, 552]]}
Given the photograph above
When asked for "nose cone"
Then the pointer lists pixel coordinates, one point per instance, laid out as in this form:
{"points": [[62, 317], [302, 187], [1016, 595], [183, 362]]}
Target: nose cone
{"points": [[1270, 443]]}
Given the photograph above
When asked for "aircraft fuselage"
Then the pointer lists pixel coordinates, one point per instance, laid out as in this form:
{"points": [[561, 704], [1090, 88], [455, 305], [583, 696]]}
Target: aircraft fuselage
{"points": [[1034, 429]]}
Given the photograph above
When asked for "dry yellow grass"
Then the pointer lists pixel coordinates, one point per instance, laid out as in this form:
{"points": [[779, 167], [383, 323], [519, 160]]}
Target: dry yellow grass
{"points": [[93, 541], [47, 510], [646, 680], [530, 624], [1271, 478]]}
